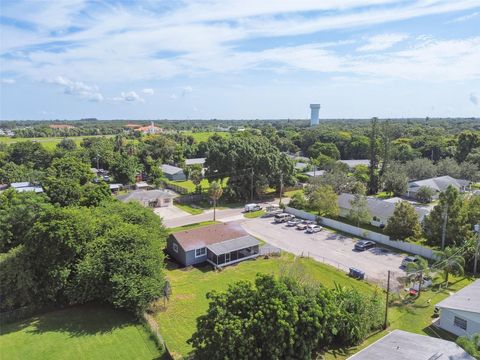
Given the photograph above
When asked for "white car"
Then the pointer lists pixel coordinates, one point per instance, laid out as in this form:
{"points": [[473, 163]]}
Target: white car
{"points": [[313, 229], [252, 207]]}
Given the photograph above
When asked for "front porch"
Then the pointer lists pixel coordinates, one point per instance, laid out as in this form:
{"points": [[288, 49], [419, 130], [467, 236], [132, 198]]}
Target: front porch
{"points": [[233, 251]]}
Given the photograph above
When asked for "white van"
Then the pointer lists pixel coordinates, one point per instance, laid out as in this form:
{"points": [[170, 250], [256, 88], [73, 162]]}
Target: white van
{"points": [[252, 207], [283, 217]]}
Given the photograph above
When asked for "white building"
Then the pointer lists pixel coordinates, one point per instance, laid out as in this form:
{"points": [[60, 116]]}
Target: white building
{"points": [[460, 312], [402, 345], [437, 184]]}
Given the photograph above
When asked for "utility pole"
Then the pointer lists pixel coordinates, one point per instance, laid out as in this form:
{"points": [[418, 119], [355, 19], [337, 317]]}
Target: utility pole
{"points": [[385, 323], [444, 227], [281, 188], [477, 251], [251, 186]]}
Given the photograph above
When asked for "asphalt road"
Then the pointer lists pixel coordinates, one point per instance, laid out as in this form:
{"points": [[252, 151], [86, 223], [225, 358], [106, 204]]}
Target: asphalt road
{"points": [[221, 215], [329, 247]]}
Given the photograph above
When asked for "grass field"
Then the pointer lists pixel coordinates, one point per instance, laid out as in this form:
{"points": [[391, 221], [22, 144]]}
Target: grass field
{"points": [[189, 287], [48, 142], [81, 332], [205, 135], [189, 209], [254, 214]]}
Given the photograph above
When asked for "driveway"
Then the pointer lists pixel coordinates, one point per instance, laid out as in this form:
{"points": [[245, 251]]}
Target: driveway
{"points": [[170, 212], [331, 248]]}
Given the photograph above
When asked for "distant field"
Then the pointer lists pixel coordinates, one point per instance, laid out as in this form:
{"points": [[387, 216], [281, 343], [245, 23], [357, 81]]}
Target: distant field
{"points": [[189, 287], [82, 332], [48, 142], [205, 135]]}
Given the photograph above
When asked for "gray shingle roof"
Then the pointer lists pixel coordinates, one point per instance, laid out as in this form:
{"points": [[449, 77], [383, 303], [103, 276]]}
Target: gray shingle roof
{"points": [[199, 161], [145, 195], [171, 170], [353, 163], [467, 299], [439, 183], [377, 207], [402, 345], [233, 245]]}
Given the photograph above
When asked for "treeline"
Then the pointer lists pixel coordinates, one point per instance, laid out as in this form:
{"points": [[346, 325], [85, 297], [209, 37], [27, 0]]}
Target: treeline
{"points": [[285, 318], [111, 253]]}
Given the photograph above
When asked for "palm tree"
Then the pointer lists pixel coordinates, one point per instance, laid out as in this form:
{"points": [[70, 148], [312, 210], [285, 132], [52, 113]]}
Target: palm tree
{"points": [[450, 262], [418, 269], [215, 192]]}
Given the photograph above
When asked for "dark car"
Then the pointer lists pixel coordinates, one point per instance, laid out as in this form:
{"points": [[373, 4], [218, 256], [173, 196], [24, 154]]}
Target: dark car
{"points": [[363, 245]]}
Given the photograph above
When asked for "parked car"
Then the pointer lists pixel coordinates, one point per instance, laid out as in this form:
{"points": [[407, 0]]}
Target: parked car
{"points": [[283, 217], [409, 260], [363, 245], [313, 228], [293, 222], [356, 273], [303, 225], [252, 207]]}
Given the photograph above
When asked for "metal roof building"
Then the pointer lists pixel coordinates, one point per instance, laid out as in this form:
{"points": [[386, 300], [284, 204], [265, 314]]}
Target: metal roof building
{"points": [[402, 345]]}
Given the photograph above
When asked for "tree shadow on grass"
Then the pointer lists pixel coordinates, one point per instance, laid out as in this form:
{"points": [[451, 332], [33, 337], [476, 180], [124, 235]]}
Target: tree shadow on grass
{"points": [[76, 321]]}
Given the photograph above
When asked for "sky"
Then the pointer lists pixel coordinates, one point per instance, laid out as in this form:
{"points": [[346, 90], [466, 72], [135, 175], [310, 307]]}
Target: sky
{"points": [[239, 59]]}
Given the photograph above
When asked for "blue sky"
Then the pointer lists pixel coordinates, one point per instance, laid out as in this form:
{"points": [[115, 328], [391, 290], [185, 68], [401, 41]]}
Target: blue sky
{"points": [[237, 59]]}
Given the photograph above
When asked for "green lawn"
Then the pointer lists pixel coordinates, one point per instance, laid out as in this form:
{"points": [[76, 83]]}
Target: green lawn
{"points": [[254, 214], [48, 143], [189, 209], [192, 226], [189, 287], [81, 332], [205, 135]]}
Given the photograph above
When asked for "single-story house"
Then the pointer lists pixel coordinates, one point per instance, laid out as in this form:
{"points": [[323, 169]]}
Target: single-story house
{"points": [[219, 244], [173, 173], [352, 163], [300, 166], [149, 198], [460, 312], [26, 186], [195, 161], [315, 173], [115, 187], [142, 185], [437, 184], [381, 210], [403, 345]]}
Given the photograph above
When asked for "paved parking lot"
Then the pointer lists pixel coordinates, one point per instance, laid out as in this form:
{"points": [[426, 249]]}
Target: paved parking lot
{"points": [[329, 247]]}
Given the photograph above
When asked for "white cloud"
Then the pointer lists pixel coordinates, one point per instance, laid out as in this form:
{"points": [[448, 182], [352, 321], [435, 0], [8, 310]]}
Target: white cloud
{"points": [[382, 42], [173, 97], [148, 91], [77, 88], [8, 81], [130, 96], [186, 90], [464, 18], [474, 99]]}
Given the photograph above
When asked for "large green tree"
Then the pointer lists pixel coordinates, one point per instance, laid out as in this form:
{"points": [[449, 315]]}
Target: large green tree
{"points": [[324, 200], [467, 141], [374, 154], [404, 222], [359, 212]]}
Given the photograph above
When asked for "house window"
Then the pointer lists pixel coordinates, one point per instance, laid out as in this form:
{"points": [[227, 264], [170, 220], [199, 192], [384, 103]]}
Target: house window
{"points": [[459, 322], [200, 252], [175, 247]]}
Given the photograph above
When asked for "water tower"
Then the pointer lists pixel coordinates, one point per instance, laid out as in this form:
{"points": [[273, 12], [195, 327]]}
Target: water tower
{"points": [[315, 108]]}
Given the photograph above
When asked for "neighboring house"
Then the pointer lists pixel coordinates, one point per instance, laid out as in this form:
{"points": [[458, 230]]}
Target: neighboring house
{"points": [[437, 184], [460, 312], [381, 210], [352, 163], [173, 173], [402, 345], [26, 186], [315, 173], [300, 166], [219, 244], [195, 161], [142, 185], [115, 188], [151, 198]]}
